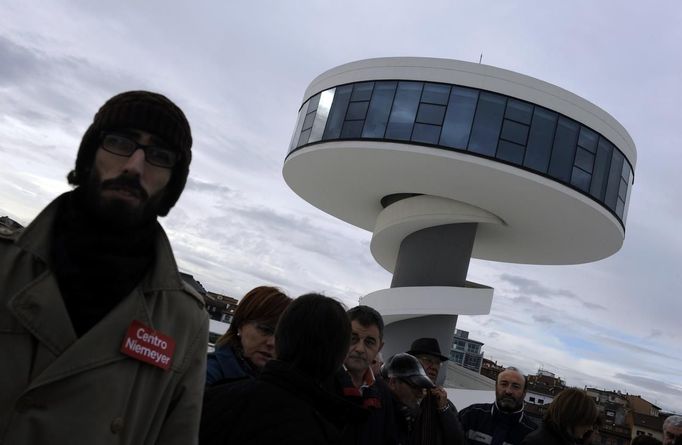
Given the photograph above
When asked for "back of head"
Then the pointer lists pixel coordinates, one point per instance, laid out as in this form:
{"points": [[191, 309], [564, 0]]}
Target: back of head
{"points": [[367, 316], [264, 304], [571, 408], [646, 440], [146, 111], [313, 335]]}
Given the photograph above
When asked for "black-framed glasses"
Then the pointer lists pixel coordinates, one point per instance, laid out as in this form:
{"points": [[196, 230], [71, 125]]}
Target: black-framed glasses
{"points": [[157, 155]]}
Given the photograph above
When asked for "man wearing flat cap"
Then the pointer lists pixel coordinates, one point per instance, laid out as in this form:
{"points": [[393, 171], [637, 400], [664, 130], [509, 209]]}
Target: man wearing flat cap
{"points": [[437, 422], [100, 339], [408, 384]]}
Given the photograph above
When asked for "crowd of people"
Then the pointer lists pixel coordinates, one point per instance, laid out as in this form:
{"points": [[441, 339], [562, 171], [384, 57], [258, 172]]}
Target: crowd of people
{"points": [[101, 341]]}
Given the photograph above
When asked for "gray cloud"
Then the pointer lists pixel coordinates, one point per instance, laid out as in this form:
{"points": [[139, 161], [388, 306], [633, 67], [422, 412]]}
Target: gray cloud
{"points": [[651, 384], [204, 186], [525, 286], [543, 319]]}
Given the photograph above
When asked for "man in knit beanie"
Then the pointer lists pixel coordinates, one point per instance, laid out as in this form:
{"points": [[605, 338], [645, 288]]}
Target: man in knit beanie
{"points": [[100, 339]]}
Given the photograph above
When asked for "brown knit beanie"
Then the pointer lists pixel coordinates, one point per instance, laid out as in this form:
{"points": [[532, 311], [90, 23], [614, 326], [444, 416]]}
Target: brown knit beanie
{"points": [[146, 111]]}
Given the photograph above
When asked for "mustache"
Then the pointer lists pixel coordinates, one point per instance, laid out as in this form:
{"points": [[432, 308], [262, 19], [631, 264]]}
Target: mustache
{"points": [[128, 183], [360, 356]]}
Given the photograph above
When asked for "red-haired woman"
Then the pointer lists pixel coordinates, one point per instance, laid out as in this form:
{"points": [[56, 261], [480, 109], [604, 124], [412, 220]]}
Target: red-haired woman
{"points": [[249, 343]]}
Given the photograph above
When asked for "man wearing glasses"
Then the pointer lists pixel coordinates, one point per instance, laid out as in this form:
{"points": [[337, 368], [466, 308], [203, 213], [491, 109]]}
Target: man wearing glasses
{"points": [[100, 339], [437, 422]]}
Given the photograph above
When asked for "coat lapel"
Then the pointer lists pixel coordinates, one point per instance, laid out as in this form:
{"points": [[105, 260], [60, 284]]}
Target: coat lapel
{"points": [[100, 345]]}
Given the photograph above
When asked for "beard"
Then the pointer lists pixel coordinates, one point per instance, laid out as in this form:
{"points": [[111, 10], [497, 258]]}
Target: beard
{"points": [[118, 214], [509, 404]]}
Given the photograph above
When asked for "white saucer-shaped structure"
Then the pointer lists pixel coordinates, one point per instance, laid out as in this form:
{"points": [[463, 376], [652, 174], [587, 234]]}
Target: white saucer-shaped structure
{"points": [[445, 160]]}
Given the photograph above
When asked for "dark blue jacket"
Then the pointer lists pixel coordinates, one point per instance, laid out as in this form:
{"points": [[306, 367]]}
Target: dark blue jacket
{"points": [[484, 423], [225, 364]]}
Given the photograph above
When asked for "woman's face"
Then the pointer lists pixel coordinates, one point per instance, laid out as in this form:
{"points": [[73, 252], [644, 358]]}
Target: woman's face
{"points": [[258, 342]]}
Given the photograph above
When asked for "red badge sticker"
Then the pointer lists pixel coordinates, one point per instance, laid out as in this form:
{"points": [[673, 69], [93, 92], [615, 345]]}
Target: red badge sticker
{"points": [[148, 345]]}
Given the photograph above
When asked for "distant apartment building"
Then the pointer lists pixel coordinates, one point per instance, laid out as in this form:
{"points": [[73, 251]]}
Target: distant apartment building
{"points": [[466, 352], [644, 418], [613, 407], [543, 387], [491, 369], [220, 307]]}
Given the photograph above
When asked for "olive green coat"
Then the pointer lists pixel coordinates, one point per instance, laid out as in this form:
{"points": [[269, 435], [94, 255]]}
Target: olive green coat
{"points": [[57, 389]]}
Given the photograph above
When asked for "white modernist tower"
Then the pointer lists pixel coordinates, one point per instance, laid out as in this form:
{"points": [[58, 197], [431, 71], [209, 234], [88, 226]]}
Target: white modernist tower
{"points": [[446, 160]]}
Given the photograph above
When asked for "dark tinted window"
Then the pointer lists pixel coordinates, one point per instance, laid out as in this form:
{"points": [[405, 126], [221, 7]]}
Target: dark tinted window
{"points": [[563, 152], [352, 129], [622, 191], [620, 208], [430, 114], [614, 180], [379, 109], [514, 132], [362, 91], [309, 119], [337, 113], [356, 111], [602, 163], [540, 139], [314, 102], [581, 179], [519, 111], [458, 117], [584, 159], [588, 139], [426, 133], [305, 134], [404, 110], [511, 152], [435, 93], [487, 122]]}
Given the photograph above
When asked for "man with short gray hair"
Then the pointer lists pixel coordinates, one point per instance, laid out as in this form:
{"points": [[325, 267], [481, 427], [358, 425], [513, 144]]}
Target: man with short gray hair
{"points": [[672, 429]]}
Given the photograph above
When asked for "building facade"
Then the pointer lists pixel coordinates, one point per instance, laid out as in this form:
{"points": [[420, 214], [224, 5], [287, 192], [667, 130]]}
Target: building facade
{"points": [[445, 160], [466, 352]]}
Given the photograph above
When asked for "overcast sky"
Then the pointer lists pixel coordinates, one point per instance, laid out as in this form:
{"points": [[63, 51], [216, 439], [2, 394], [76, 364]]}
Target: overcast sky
{"points": [[239, 71]]}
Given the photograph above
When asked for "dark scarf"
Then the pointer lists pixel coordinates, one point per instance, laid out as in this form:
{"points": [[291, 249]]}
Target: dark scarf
{"points": [[96, 267], [428, 429]]}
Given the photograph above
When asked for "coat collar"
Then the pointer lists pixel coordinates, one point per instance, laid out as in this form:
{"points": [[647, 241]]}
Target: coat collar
{"points": [[37, 238], [40, 307]]}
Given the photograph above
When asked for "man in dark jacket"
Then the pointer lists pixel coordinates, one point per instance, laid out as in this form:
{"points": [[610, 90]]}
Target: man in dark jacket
{"points": [[356, 382], [502, 422], [408, 383], [437, 422]]}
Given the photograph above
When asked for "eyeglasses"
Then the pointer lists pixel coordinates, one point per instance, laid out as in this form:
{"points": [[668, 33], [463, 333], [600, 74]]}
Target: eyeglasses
{"points": [[154, 154]]}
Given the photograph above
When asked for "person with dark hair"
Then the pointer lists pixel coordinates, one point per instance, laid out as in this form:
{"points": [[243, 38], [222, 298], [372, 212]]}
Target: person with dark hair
{"points": [[437, 421], [249, 342], [100, 339], [672, 429], [648, 440], [569, 417], [356, 382], [285, 403], [503, 421]]}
